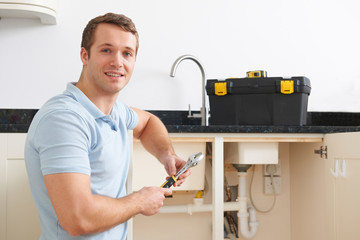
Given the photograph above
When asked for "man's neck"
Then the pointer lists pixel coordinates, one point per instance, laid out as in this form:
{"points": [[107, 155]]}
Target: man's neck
{"points": [[104, 102]]}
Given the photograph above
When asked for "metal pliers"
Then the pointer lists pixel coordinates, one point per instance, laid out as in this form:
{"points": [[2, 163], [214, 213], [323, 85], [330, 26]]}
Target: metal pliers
{"points": [[192, 162]]}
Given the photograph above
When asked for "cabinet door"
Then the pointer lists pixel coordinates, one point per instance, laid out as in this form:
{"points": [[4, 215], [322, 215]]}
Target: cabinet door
{"points": [[311, 195], [344, 148], [21, 214]]}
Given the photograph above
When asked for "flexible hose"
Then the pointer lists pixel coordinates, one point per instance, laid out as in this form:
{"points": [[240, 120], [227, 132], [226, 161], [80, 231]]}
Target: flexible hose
{"points": [[273, 188]]}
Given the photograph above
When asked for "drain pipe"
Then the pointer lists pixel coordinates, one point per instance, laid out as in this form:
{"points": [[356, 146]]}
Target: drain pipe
{"points": [[247, 223], [246, 215]]}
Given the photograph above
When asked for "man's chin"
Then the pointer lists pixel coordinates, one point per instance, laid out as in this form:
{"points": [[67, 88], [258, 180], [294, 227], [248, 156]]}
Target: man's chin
{"points": [[117, 88]]}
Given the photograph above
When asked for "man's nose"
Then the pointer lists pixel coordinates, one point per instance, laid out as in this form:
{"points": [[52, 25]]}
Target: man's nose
{"points": [[118, 60]]}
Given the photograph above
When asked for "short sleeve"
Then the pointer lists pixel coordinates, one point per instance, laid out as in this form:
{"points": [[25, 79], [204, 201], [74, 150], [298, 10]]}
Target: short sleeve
{"points": [[130, 117], [62, 139]]}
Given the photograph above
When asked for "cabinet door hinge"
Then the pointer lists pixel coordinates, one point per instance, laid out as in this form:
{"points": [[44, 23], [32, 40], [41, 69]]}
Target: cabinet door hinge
{"points": [[322, 151]]}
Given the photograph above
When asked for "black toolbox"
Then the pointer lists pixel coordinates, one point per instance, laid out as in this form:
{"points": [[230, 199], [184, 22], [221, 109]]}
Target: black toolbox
{"points": [[258, 101]]}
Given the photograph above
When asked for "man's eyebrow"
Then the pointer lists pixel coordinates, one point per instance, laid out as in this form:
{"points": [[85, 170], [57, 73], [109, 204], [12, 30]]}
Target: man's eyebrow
{"points": [[130, 48], [105, 45]]}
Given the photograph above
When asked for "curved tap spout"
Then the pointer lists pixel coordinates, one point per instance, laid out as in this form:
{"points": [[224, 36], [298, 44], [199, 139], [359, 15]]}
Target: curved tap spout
{"points": [[203, 110]]}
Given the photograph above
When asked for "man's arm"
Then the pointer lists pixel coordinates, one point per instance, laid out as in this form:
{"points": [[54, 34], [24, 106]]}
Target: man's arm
{"points": [[80, 212], [155, 139]]}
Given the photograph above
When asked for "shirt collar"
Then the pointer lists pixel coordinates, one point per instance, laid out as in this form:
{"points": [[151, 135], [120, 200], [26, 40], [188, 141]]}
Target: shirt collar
{"points": [[79, 96]]}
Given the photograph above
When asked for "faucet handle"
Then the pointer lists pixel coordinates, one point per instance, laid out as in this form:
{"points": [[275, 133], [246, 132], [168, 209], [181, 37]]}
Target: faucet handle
{"points": [[193, 115]]}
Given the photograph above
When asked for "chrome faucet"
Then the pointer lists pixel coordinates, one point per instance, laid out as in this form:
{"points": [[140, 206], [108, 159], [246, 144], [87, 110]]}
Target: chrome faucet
{"points": [[203, 110]]}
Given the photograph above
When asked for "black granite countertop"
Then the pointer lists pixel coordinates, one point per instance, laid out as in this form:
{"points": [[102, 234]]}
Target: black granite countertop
{"points": [[18, 121]]}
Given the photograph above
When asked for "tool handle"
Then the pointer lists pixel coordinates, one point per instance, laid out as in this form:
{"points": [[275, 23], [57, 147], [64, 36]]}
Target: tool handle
{"points": [[169, 182]]}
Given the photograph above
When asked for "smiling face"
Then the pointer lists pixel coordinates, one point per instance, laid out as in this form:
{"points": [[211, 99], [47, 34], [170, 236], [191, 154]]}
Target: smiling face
{"points": [[109, 66]]}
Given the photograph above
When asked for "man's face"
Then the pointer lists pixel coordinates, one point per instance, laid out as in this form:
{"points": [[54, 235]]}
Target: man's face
{"points": [[112, 59]]}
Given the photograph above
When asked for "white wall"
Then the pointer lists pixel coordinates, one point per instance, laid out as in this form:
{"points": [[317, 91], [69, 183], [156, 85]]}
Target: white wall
{"points": [[318, 39]]}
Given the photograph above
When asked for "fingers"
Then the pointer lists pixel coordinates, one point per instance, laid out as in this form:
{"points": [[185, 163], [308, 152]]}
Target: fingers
{"points": [[185, 174], [167, 191], [182, 178], [172, 165], [152, 199]]}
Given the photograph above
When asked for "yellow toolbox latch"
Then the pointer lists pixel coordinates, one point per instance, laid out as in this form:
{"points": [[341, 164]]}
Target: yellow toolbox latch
{"points": [[220, 88], [287, 86]]}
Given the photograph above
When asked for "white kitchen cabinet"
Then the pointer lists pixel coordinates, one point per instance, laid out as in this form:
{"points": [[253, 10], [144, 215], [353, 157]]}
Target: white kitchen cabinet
{"points": [[322, 207], [18, 213], [45, 10], [325, 203]]}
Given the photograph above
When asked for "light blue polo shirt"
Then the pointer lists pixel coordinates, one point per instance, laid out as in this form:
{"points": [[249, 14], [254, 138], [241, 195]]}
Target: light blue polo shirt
{"points": [[70, 134]]}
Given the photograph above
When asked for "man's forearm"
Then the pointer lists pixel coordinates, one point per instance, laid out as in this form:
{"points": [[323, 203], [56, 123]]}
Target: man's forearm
{"points": [[104, 213], [155, 139], [100, 213]]}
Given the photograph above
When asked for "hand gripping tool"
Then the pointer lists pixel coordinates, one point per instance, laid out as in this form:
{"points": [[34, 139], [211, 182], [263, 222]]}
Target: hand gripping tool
{"points": [[192, 162]]}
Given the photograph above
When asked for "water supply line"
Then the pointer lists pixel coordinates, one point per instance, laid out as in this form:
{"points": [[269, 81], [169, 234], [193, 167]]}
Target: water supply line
{"points": [[228, 230], [229, 222], [271, 170]]}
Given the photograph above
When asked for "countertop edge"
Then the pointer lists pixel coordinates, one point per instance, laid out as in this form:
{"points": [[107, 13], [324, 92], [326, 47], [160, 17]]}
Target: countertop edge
{"points": [[18, 121]]}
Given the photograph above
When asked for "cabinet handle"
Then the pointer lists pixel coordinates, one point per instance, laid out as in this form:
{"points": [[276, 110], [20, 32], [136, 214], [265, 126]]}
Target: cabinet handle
{"points": [[335, 172], [339, 171]]}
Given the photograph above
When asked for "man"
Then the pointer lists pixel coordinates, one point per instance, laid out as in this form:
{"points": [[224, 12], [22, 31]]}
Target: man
{"points": [[77, 148]]}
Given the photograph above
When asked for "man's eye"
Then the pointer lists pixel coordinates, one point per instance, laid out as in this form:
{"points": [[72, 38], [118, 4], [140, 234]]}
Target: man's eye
{"points": [[106, 50], [128, 54]]}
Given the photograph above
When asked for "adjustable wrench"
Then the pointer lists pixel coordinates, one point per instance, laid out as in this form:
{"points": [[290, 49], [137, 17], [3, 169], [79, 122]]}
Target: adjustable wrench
{"points": [[192, 162]]}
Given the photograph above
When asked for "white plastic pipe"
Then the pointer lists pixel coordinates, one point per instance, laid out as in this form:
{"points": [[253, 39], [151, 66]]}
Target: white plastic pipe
{"points": [[247, 222], [190, 208], [193, 208], [248, 228]]}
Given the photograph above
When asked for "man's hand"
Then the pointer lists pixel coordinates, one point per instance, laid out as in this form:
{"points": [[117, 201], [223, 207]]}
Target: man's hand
{"points": [[172, 165], [151, 199]]}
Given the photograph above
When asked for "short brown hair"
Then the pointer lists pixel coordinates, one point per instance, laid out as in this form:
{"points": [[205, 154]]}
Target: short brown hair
{"points": [[119, 20]]}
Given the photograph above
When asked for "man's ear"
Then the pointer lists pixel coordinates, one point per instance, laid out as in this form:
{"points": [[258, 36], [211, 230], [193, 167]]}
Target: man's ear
{"points": [[84, 56]]}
